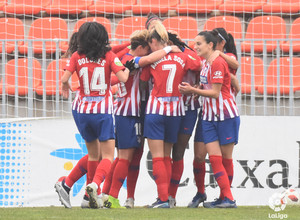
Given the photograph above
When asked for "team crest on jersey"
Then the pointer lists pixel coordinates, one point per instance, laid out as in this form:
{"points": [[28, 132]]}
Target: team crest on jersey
{"points": [[203, 79], [118, 62], [217, 75], [192, 58]]}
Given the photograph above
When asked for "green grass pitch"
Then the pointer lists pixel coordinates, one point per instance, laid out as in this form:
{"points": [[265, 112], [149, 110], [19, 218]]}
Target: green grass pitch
{"points": [[242, 212]]}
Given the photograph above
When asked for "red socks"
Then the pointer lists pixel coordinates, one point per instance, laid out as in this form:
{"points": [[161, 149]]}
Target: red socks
{"points": [[133, 172], [177, 170], [108, 179], [221, 175], [77, 172], [199, 175], [103, 169], [91, 169], [228, 165], [120, 173], [160, 177]]}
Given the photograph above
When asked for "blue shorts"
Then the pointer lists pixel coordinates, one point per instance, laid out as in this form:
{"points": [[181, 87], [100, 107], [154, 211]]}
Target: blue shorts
{"points": [[96, 126], [160, 127], [188, 122], [199, 134], [128, 132], [75, 116], [225, 132]]}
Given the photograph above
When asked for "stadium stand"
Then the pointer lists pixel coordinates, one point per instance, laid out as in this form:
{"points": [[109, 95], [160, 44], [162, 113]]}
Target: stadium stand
{"points": [[27, 7], [294, 34], [241, 6], [68, 6], [246, 73], [284, 74], [2, 4], [111, 6], [22, 76], [231, 24], [200, 6], [281, 6], [186, 27], [154, 6], [127, 26], [264, 27], [51, 79], [11, 28], [46, 28]]}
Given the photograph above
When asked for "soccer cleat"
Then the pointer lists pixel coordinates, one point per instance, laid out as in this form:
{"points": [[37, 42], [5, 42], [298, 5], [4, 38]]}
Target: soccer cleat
{"points": [[172, 202], [85, 203], [226, 203], [63, 194], [113, 203], [91, 190], [159, 204], [198, 198], [129, 203], [212, 204]]}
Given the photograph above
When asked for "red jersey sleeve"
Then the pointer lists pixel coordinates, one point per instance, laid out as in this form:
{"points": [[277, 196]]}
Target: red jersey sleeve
{"points": [[116, 64], [218, 70], [193, 61], [71, 63], [145, 75]]}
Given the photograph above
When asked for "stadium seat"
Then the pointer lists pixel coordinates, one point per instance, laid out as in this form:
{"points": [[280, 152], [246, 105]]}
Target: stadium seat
{"points": [[111, 6], [186, 27], [200, 6], [258, 71], [11, 28], [154, 6], [104, 21], [294, 34], [284, 74], [22, 85], [46, 28], [51, 79], [231, 24], [28, 7], [241, 6], [127, 26], [264, 27], [281, 6], [2, 4], [68, 6]]}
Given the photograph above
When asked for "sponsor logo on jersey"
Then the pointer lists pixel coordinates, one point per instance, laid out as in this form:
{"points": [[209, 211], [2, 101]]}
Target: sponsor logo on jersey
{"points": [[118, 62], [217, 75]]}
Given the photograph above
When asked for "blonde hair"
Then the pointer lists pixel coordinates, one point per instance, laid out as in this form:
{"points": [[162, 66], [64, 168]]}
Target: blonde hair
{"points": [[159, 33], [138, 38]]}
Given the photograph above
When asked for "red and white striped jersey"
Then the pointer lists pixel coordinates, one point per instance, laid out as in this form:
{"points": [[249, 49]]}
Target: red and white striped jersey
{"points": [[76, 100], [127, 102], [224, 106], [94, 77], [167, 73]]}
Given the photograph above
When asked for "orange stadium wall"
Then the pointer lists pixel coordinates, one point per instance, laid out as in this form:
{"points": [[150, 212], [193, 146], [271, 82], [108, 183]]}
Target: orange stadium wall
{"points": [[36, 152]]}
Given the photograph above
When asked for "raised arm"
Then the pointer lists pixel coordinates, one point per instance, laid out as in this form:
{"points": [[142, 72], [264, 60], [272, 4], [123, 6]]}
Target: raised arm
{"points": [[155, 56]]}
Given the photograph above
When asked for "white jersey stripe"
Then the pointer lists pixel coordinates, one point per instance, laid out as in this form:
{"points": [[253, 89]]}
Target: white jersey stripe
{"points": [[229, 109]]}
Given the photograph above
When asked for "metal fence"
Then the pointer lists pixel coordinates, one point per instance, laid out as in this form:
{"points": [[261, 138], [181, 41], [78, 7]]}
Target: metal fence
{"points": [[33, 105]]}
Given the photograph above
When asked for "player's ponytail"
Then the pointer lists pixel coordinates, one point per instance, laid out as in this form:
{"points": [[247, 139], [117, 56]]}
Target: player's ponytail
{"points": [[159, 33], [138, 38], [222, 35], [230, 46]]}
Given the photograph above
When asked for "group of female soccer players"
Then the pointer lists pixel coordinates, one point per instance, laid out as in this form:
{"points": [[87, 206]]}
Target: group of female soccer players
{"points": [[162, 90]]}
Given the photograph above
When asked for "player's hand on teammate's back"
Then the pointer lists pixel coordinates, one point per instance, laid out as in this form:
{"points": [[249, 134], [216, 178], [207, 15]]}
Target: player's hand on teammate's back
{"points": [[130, 65]]}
